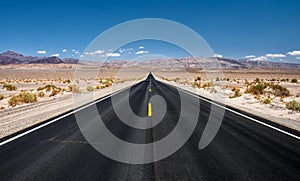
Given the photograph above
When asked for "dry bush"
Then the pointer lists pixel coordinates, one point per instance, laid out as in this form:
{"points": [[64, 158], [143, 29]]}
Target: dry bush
{"points": [[90, 88], [267, 101], [293, 105], [75, 89], [294, 81], [48, 88], [9, 87], [237, 93], [41, 94], [1, 97], [23, 97]]}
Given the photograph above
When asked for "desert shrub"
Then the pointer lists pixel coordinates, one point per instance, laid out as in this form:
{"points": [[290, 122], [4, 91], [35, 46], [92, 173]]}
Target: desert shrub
{"points": [[48, 88], [98, 87], [23, 97], [257, 89], [198, 78], [75, 89], [177, 79], [293, 105], [108, 83], [41, 94], [294, 81], [67, 81], [1, 97], [279, 90], [54, 92], [237, 93], [1, 107], [217, 79], [206, 85], [257, 80], [267, 101], [9, 87], [273, 79], [90, 88]]}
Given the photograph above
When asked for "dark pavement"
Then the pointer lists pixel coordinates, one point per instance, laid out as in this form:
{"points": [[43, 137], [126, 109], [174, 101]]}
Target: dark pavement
{"points": [[241, 150]]}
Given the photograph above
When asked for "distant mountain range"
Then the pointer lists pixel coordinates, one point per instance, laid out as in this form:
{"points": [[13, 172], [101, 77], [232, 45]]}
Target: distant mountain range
{"points": [[11, 57]]}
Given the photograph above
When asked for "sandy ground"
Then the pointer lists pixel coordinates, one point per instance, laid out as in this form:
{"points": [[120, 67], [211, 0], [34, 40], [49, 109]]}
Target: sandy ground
{"points": [[275, 111], [30, 78]]}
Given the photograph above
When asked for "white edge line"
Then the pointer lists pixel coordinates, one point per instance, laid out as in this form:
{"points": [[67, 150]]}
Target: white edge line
{"points": [[240, 114], [63, 116]]}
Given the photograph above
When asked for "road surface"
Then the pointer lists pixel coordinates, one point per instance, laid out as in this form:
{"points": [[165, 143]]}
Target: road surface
{"points": [[241, 150]]}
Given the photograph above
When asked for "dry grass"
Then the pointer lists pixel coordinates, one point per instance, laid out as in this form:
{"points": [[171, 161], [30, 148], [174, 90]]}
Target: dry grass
{"points": [[293, 105], [9, 87], [23, 97]]}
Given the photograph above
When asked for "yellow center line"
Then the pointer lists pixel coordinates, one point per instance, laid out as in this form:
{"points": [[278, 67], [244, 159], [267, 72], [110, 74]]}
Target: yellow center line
{"points": [[149, 109]]}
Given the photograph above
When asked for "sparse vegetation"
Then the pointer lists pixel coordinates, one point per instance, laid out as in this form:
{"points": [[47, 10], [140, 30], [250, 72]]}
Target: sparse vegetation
{"points": [[275, 89], [54, 92], [267, 101], [237, 93], [23, 97], [48, 88], [257, 89], [293, 105], [90, 88], [9, 87], [1, 97], [41, 94], [75, 89], [294, 81]]}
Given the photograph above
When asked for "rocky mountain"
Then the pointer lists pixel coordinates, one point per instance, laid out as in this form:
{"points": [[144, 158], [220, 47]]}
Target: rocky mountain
{"points": [[10, 57]]}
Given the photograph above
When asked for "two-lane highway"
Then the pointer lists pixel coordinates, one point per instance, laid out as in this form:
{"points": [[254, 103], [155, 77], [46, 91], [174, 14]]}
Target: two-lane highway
{"points": [[242, 149]]}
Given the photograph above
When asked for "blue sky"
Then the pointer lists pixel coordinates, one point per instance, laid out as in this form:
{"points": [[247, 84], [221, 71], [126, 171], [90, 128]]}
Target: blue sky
{"points": [[232, 28]]}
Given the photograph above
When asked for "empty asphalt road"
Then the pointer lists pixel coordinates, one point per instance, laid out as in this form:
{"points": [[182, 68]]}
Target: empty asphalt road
{"points": [[241, 150]]}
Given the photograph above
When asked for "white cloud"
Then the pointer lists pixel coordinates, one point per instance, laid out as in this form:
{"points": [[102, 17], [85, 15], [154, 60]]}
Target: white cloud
{"points": [[129, 49], [96, 52], [113, 54], [275, 55], [64, 50], [141, 52], [141, 47], [55, 55], [218, 55], [73, 50], [294, 53], [250, 56], [41, 52], [261, 58], [298, 58], [76, 52]]}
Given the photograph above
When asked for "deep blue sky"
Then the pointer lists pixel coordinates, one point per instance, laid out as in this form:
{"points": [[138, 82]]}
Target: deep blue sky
{"points": [[232, 28]]}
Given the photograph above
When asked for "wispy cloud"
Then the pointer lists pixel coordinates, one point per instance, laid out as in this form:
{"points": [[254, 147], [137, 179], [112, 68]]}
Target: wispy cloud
{"points": [[218, 55], [141, 47], [298, 58], [96, 52], [250, 56], [275, 55], [55, 55], [261, 58], [141, 52], [64, 50], [41, 52], [294, 53], [113, 54]]}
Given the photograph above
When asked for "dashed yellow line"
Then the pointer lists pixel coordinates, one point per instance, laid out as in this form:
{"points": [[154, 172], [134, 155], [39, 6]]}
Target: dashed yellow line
{"points": [[149, 109]]}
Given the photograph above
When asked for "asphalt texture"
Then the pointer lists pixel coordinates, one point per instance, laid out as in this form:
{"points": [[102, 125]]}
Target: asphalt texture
{"points": [[241, 150]]}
